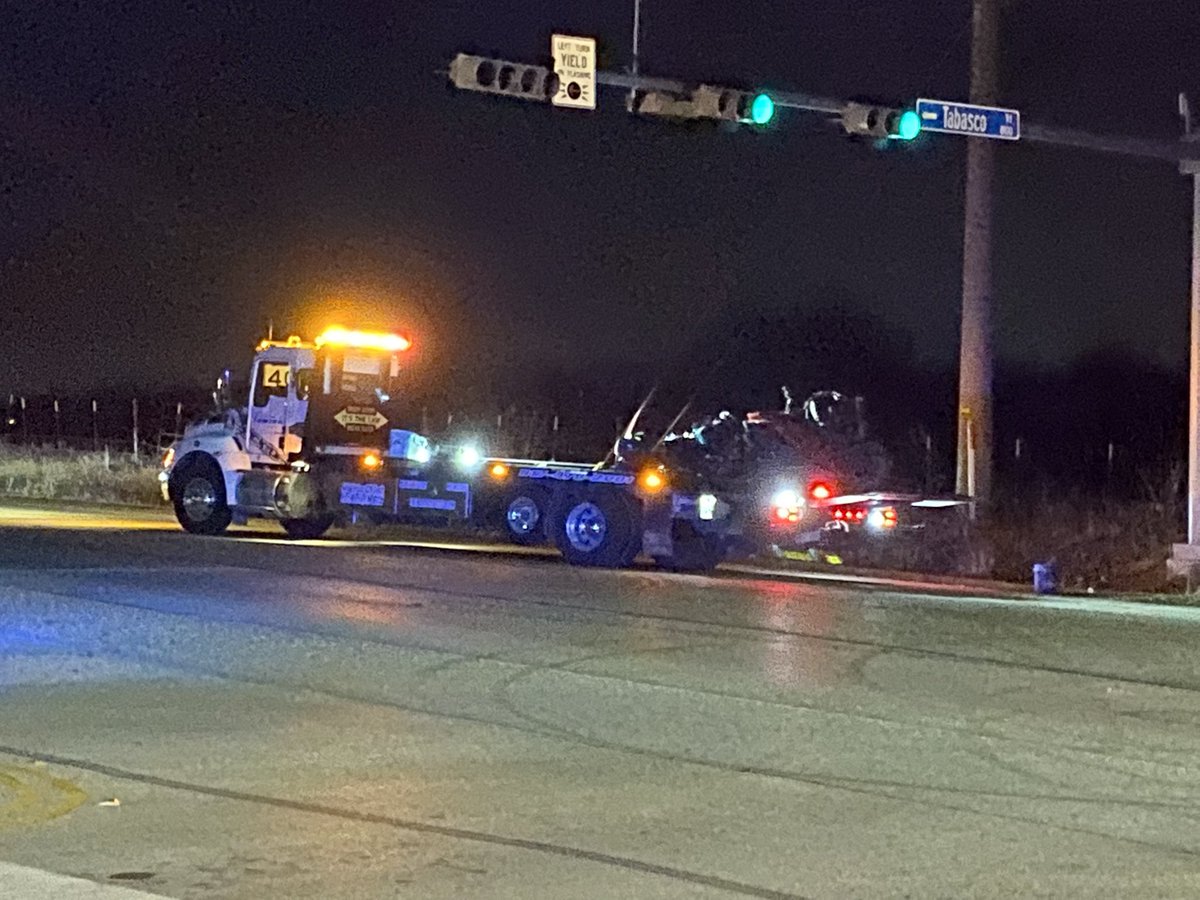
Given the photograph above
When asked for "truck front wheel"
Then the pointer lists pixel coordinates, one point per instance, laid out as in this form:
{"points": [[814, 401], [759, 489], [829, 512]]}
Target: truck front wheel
{"points": [[197, 492], [599, 529]]}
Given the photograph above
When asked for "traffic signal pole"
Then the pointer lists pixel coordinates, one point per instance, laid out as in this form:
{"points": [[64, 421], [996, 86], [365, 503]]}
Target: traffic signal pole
{"points": [[974, 458], [1185, 558], [1192, 167]]}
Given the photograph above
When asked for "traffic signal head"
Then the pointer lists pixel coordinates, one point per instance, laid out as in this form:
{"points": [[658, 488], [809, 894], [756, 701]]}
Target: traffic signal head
{"points": [[908, 126], [709, 102], [734, 105], [880, 121], [497, 76], [762, 109]]}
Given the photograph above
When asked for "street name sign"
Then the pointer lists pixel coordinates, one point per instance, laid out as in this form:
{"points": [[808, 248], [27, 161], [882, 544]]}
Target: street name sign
{"points": [[969, 119], [575, 65]]}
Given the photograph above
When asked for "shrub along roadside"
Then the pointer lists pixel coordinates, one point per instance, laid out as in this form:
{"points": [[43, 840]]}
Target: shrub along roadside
{"points": [[1105, 544], [49, 474]]}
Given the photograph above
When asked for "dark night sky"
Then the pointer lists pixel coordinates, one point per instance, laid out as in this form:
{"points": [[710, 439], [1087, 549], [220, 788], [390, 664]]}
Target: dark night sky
{"points": [[174, 174]]}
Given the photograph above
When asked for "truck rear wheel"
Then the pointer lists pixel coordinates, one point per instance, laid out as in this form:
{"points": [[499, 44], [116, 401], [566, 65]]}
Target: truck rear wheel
{"points": [[525, 517], [307, 529], [602, 528], [198, 494]]}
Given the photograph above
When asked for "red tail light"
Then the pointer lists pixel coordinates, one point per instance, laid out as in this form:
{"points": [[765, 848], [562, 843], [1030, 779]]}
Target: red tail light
{"points": [[820, 490]]}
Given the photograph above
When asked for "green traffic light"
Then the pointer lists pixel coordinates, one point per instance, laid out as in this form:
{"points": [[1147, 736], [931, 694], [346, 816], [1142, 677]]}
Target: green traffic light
{"points": [[762, 109], [909, 125]]}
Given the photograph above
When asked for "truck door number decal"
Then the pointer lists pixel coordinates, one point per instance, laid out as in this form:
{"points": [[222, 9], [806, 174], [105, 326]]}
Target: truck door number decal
{"points": [[276, 375]]}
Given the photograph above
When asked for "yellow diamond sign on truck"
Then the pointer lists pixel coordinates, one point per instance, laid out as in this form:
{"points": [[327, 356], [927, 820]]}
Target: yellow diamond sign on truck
{"points": [[360, 419]]}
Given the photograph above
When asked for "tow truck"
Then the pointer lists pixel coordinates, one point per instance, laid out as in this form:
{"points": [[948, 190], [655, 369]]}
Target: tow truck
{"points": [[321, 439]]}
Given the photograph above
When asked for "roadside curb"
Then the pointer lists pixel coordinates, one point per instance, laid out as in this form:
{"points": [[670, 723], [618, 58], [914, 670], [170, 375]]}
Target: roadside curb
{"points": [[39, 884]]}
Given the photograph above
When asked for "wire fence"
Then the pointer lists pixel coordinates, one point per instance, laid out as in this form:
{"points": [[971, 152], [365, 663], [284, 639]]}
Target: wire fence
{"points": [[142, 428]]}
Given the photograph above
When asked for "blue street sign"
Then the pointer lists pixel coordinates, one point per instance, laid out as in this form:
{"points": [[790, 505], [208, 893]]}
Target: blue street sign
{"points": [[973, 121]]}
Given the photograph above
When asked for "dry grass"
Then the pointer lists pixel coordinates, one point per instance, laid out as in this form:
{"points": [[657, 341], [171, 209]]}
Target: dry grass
{"points": [[71, 475], [1106, 545]]}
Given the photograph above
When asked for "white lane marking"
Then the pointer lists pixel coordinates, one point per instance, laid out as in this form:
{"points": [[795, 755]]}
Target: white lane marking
{"points": [[961, 593]]}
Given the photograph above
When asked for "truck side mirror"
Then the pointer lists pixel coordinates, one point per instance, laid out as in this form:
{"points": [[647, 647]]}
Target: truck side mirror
{"points": [[223, 395], [304, 383]]}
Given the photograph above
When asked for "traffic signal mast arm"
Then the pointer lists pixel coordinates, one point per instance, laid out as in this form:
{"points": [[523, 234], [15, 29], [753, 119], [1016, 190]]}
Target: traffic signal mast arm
{"points": [[789, 99], [538, 83]]}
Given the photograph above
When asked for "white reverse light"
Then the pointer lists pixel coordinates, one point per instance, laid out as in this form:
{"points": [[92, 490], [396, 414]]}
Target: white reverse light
{"points": [[469, 456], [787, 499]]}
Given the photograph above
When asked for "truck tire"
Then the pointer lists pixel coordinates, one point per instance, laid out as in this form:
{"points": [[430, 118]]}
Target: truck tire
{"points": [[525, 517], [691, 551], [307, 529], [197, 492], [599, 528]]}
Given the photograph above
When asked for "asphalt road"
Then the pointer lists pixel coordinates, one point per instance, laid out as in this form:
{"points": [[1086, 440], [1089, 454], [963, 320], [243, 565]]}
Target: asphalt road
{"points": [[248, 717]]}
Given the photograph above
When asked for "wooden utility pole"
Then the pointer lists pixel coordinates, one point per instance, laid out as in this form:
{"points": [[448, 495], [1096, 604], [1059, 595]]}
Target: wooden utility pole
{"points": [[974, 469]]}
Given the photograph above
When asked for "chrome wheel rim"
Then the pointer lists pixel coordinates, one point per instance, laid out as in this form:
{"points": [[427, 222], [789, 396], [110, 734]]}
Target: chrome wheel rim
{"points": [[199, 499], [522, 515], [586, 527]]}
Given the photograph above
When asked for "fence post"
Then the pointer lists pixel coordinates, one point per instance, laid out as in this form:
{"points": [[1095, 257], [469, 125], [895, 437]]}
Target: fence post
{"points": [[135, 430], [24, 422], [95, 425], [57, 426], [178, 420], [928, 461]]}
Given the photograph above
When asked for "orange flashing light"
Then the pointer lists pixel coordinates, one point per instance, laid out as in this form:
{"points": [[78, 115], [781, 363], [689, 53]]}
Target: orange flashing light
{"points": [[498, 471], [292, 341], [364, 340], [652, 480], [371, 461], [787, 514]]}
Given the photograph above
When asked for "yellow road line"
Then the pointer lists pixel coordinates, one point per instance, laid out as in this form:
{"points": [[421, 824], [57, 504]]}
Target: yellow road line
{"points": [[31, 796]]}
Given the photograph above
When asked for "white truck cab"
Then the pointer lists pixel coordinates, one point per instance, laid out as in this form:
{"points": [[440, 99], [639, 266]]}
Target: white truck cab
{"points": [[316, 419], [279, 385]]}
